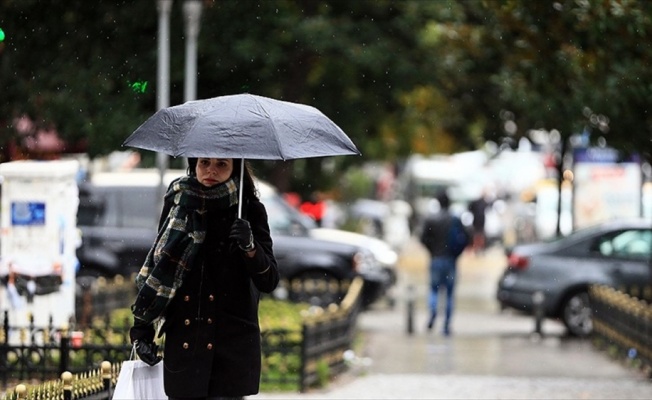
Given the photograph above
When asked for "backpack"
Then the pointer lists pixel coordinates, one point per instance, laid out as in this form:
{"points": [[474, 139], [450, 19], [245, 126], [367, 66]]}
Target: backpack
{"points": [[457, 238]]}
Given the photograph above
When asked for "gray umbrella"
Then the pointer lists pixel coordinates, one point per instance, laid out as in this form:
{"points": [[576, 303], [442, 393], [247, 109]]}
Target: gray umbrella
{"points": [[242, 126]]}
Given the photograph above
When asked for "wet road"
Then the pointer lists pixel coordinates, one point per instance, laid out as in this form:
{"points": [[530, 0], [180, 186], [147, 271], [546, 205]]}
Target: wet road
{"points": [[491, 354]]}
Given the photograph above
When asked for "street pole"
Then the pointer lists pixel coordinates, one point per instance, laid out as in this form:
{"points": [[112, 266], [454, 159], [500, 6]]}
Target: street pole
{"points": [[192, 14], [163, 79]]}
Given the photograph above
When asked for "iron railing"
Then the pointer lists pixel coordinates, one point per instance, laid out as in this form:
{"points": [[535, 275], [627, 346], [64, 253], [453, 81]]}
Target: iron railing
{"points": [[622, 324], [301, 359]]}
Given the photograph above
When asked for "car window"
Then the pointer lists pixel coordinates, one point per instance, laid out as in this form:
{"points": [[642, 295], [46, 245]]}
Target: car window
{"points": [[634, 244], [136, 207], [127, 207], [282, 218], [90, 210]]}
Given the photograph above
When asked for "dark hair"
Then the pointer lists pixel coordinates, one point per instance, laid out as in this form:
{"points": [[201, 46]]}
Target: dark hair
{"points": [[192, 165], [249, 186]]}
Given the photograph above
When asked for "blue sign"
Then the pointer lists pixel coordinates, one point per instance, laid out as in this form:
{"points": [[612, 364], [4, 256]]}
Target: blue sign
{"points": [[596, 154], [602, 155], [26, 213]]}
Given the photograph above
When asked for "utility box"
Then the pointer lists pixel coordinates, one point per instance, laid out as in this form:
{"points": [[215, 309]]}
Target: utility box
{"points": [[38, 241]]}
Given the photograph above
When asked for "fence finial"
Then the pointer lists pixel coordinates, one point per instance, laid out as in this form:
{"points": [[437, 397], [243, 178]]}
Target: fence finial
{"points": [[106, 369], [66, 377], [21, 391]]}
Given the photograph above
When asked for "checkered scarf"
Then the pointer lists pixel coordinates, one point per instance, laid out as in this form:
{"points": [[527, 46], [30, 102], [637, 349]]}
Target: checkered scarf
{"points": [[177, 243]]}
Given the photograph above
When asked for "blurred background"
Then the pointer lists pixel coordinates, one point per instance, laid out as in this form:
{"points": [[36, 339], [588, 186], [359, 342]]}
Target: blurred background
{"points": [[541, 107], [534, 117]]}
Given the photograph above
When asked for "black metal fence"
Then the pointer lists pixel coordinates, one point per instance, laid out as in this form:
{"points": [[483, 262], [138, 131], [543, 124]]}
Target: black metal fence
{"points": [[100, 296], [316, 354], [622, 325], [299, 359], [326, 336], [42, 353], [95, 384]]}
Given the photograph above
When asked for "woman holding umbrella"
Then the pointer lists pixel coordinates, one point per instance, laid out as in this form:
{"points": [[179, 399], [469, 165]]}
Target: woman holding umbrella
{"points": [[203, 279]]}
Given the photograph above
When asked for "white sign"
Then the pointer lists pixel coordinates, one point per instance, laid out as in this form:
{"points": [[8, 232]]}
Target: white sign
{"points": [[605, 191], [38, 241]]}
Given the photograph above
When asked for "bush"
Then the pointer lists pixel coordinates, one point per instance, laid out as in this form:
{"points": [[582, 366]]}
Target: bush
{"points": [[277, 314]]}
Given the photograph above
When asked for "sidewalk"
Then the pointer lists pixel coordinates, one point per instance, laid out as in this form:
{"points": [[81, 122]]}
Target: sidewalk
{"points": [[490, 355]]}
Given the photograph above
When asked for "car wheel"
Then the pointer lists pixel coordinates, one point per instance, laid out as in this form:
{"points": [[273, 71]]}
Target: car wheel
{"points": [[576, 315], [318, 288]]}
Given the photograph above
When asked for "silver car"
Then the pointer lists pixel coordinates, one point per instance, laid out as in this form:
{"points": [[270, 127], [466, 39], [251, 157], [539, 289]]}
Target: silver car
{"points": [[559, 272]]}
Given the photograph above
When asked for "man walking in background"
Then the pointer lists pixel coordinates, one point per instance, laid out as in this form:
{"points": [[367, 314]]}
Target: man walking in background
{"points": [[445, 238]]}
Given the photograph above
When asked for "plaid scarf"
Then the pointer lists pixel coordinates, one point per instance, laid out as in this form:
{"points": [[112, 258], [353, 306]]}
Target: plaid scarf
{"points": [[177, 243]]}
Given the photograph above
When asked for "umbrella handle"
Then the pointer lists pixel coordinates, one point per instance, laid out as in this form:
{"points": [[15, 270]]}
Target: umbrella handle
{"points": [[242, 167]]}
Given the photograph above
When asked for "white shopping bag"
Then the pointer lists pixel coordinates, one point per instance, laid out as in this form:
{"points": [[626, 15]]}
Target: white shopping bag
{"points": [[137, 380]]}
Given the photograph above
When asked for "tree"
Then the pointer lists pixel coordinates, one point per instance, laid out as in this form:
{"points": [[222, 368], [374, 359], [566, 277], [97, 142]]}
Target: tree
{"points": [[349, 59], [353, 61], [75, 66], [571, 66], [397, 76]]}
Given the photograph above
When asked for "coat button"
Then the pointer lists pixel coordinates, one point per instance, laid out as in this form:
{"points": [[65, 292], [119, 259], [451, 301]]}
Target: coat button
{"points": [[185, 346], [186, 298], [210, 346], [187, 322], [209, 321], [211, 297]]}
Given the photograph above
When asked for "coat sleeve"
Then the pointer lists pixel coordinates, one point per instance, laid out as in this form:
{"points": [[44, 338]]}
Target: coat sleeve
{"points": [[262, 266]]}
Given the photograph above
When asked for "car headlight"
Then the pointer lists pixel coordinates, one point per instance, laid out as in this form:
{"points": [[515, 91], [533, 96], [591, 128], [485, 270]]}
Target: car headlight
{"points": [[365, 262]]}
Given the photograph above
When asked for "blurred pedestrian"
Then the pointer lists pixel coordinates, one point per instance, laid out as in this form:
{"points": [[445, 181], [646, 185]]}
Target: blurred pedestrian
{"points": [[445, 238], [203, 279], [478, 208]]}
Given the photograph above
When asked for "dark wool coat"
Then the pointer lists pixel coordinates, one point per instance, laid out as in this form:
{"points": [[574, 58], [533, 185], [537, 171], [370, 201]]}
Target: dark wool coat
{"points": [[212, 336]]}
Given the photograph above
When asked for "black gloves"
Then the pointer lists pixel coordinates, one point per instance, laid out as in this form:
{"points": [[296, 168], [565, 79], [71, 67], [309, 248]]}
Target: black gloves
{"points": [[241, 234], [142, 336], [147, 352]]}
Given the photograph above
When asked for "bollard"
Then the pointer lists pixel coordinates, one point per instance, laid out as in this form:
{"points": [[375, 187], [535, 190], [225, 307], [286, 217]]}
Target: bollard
{"points": [[537, 302], [410, 309]]}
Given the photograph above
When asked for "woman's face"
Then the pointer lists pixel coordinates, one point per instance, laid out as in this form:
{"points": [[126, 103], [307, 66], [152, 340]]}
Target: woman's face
{"points": [[211, 171]]}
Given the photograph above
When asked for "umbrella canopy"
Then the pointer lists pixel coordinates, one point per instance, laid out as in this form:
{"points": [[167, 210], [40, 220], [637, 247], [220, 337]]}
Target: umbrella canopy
{"points": [[242, 126]]}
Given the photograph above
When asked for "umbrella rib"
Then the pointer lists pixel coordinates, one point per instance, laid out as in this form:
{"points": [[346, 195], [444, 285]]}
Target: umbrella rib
{"points": [[277, 138]]}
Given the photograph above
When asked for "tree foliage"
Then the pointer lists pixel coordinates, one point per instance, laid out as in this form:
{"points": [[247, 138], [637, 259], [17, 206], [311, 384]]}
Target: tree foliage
{"points": [[71, 66], [398, 76], [570, 65]]}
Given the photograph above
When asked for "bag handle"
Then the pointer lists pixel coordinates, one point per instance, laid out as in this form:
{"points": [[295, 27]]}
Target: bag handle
{"points": [[133, 354]]}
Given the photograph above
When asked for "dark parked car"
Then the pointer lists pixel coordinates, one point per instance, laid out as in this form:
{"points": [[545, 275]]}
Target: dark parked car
{"points": [[615, 253], [379, 273], [118, 215], [118, 226]]}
